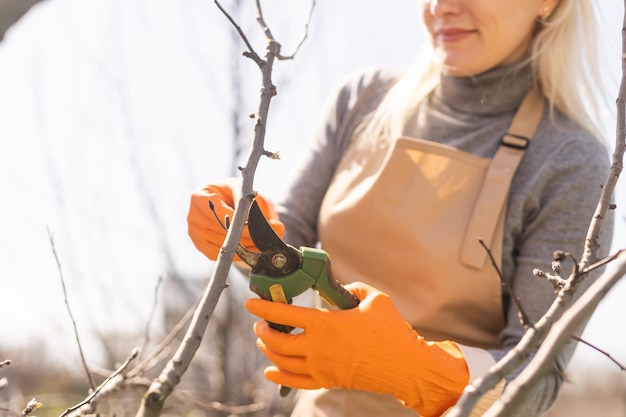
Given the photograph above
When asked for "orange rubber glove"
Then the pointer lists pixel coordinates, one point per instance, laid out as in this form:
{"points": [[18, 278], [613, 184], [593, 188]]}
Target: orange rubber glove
{"points": [[368, 348], [206, 232]]}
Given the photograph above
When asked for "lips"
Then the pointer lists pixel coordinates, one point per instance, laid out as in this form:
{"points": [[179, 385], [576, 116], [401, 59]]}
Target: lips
{"points": [[453, 34]]}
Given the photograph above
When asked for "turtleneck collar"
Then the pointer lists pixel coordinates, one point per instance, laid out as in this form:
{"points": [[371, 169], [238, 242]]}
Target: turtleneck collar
{"points": [[496, 91]]}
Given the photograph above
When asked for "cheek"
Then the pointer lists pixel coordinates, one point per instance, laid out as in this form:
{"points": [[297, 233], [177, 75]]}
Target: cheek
{"points": [[502, 36], [513, 46]]}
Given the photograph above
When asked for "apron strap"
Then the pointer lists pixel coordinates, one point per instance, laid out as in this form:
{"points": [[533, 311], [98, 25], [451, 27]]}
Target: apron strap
{"points": [[493, 195]]}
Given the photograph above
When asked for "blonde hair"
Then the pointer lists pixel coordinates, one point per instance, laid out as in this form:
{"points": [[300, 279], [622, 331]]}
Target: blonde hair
{"points": [[564, 60]]}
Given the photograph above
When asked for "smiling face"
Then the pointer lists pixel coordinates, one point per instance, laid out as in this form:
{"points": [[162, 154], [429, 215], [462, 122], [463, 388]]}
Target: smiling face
{"points": [[472, 36]]}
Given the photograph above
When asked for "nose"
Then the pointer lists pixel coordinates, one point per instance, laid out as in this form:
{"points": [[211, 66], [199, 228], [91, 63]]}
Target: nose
{"points": [[442, 7]]}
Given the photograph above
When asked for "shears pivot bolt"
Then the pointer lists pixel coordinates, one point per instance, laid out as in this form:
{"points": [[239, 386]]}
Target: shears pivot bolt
{"points": [[279, 260]]}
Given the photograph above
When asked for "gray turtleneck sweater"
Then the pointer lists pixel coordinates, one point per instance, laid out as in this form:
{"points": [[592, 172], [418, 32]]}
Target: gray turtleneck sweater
{"points": [[552, 196]]}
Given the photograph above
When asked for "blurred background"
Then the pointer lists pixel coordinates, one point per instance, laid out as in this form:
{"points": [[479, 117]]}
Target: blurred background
{"points": [[112, 112]]}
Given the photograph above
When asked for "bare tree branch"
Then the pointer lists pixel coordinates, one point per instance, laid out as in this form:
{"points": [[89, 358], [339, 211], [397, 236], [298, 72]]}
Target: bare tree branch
{"points": [[154, 399], [582, 309], [558, 336], [591, 241]]}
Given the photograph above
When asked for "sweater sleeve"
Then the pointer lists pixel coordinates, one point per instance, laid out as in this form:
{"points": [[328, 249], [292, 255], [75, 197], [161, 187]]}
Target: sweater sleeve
{"points": [[552, 201]]}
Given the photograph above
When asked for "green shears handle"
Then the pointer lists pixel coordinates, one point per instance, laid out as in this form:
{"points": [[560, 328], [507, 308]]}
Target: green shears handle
{"points": [[314, 273]]}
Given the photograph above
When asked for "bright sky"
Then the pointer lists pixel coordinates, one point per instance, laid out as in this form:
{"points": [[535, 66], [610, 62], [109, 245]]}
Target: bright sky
{"points": [[112, 111]]}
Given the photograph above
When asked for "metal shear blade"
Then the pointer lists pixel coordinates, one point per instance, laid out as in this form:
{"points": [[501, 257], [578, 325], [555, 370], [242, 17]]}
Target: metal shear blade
{"points": [[277, 258]]}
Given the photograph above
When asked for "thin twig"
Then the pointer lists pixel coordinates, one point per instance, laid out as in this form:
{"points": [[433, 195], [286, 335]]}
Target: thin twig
{"points": [[92, 383], [261, 20], [251, 52], [96, 391], [520, 308], [605, 353], [223, 226], [602, 262], [142, 366], [155, 302], [304, 35], [557, 282]]}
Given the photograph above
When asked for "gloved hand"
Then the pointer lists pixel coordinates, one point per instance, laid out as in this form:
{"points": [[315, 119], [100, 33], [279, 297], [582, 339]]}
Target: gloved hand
{"points": [[368, 348], [206, 232]]}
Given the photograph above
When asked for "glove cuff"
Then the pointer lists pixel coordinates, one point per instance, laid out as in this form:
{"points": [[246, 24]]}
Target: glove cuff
{"points": [[478, 362], [428, 377]]}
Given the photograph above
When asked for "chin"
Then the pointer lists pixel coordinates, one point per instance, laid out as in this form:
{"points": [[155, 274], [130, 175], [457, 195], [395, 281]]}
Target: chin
{"points": [[458, 70], [458, 65]]}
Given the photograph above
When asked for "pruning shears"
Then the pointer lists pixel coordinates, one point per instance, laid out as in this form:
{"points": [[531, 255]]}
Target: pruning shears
{"points": [[281, 272]]}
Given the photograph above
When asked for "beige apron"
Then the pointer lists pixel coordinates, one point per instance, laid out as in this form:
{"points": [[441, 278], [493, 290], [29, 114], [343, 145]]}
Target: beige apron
{"points": [[407, 220]]}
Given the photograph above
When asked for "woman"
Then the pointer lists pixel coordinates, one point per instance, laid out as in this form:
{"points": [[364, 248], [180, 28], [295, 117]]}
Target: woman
{"points": [[489, 138]]}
